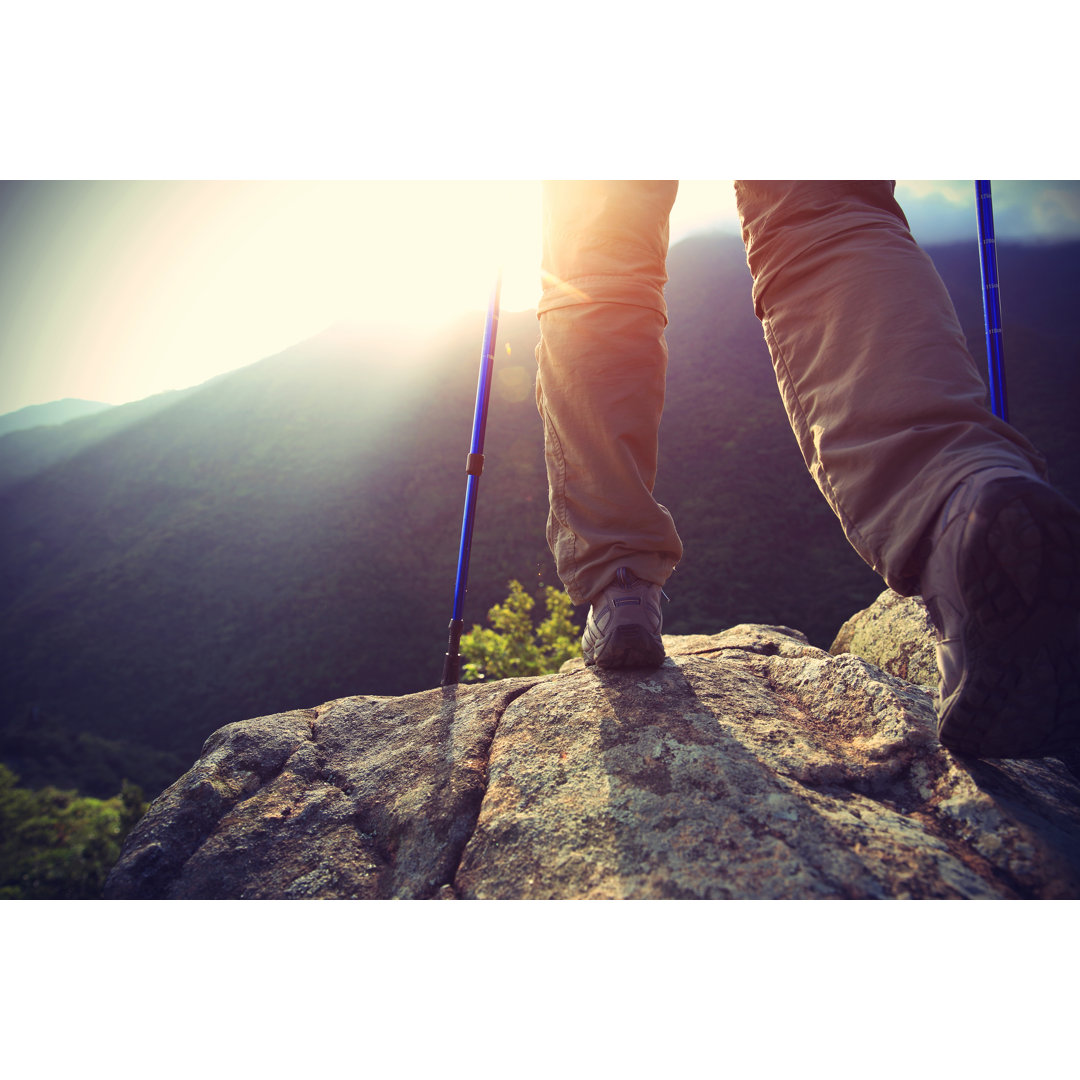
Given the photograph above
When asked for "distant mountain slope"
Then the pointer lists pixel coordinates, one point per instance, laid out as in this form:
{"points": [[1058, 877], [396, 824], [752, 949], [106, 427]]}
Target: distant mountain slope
{"points": [[27, 451], [55, 412], [288, 533], [283, 534]]}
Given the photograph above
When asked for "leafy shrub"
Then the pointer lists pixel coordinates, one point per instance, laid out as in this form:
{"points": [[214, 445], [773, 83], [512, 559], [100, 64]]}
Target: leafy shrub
{"points": [[514, 645], [59, 845]]}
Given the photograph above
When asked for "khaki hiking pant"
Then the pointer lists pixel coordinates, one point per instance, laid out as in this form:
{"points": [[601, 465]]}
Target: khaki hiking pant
{"points": [[888, 406]]}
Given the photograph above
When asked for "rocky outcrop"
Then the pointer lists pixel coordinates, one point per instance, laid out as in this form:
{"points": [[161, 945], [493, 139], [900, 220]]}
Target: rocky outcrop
{"points": [[751, 765], [896, 634]]}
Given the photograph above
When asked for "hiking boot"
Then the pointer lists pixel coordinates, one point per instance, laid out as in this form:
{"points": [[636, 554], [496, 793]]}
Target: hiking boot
{"points": [[624, 625], [1002, 586]]}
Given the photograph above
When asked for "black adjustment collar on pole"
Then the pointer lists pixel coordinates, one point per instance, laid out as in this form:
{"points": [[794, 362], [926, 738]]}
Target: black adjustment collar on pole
{"points": [[474, 464]]}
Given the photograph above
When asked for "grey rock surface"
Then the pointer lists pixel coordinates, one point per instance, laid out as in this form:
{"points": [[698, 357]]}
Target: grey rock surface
{"points": [[750, 766], [896, 634]]}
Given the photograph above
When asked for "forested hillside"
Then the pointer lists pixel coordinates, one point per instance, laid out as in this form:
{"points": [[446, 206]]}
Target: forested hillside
{"points": [[288, 533]]}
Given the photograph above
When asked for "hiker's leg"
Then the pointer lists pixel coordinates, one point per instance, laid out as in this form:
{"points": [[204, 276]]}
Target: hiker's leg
{"points": [[602, 363], [885, 400]]}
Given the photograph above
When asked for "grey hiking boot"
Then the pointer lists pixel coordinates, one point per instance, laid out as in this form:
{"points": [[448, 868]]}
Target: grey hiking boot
{"points": [[625, 624], [1002, 585]]}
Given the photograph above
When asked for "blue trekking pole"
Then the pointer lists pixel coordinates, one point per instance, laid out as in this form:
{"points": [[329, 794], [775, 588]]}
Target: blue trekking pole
{"points": [[474, 466], [995, 352]]}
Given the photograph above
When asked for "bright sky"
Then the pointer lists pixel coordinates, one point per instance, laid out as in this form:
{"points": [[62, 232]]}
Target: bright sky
{"points": [[113, 291]]}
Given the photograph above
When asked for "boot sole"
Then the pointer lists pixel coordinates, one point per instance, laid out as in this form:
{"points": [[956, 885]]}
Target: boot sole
{"points": [[1020, 577]]}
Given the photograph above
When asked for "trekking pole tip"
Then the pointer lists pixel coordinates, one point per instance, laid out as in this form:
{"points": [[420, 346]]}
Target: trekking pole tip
{"points": [[451, 673]]}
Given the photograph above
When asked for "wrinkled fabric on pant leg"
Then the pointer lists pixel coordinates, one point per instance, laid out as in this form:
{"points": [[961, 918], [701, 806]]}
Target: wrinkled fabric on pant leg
{"points": [[886, 401], [602, 364]]}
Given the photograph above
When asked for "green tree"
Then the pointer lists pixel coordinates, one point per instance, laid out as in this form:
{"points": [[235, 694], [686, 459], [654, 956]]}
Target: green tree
{"points": [[514, 644], [59, 845]]}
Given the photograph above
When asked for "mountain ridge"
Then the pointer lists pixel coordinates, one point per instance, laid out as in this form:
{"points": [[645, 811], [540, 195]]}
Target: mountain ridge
{"points": [[49, 414]]}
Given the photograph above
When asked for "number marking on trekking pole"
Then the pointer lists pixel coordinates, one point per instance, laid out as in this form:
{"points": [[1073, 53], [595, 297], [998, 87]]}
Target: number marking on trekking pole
{"points": [[474, 466]]}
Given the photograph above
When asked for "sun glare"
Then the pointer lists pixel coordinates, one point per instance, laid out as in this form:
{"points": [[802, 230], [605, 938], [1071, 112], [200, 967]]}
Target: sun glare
{"points": [[131, 288], [414, 253]]}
